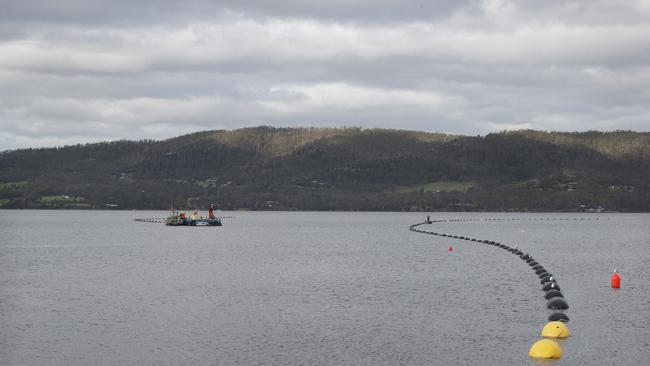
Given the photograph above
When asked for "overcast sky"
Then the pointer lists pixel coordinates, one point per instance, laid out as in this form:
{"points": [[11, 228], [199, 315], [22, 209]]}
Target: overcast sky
{"points": [[74, 71]]}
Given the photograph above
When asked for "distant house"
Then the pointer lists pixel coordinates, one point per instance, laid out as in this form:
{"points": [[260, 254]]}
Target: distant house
{"points": [[621, 188], [568, 185], [571, 185]]}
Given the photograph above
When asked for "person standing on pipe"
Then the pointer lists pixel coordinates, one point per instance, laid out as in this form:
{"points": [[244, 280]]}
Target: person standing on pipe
{"points": [[211, 213]]}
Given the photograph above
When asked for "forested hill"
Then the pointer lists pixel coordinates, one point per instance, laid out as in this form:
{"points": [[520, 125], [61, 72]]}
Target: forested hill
{"points": [[338, 169]]}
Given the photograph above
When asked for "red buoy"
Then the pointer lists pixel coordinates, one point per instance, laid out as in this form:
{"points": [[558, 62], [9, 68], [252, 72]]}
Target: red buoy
{"points": [[616, 280], [450, 249]]}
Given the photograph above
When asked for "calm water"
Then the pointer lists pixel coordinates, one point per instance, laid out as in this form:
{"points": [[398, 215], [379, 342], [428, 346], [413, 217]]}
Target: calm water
{"points": [[82, 288]]}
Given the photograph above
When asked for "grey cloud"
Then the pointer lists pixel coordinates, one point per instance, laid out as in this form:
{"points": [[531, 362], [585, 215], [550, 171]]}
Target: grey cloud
{"points": [[80, 71], [126, 12]]}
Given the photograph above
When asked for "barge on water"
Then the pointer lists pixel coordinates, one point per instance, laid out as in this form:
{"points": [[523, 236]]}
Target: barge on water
{"points": [[177, 218]]}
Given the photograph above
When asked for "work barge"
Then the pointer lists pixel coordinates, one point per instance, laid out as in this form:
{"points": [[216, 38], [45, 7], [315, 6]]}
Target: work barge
{"points": [[176, 220], [180, 218]]}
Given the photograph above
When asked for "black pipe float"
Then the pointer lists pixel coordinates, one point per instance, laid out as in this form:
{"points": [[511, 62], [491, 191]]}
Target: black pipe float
{"points": [[557, 303], [555, 298], [547, 279], [551, 286], [558, 317], [544, 275], [553, 293]]}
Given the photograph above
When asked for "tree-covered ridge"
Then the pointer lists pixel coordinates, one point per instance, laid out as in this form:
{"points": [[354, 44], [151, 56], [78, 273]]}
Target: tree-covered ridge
{"points": [[338, 168], [617, 144]]}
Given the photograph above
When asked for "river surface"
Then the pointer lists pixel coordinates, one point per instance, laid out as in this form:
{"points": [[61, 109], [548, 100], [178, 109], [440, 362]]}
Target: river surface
{"points": [[280, 288]]}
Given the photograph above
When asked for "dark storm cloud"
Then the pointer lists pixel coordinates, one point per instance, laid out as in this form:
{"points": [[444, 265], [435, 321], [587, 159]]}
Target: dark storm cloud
{"points": [[77, 71]]}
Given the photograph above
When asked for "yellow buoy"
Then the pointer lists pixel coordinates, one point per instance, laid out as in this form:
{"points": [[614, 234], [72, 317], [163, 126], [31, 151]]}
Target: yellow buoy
{"points": [[545, 348], [555, 330]]}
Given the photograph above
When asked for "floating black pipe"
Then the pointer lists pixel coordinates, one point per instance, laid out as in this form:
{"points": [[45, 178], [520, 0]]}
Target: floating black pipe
{"points": [[551, 286], [553, 293], [547, 279], [554, 296], [544, 275], [557, 303], [558, 317]]}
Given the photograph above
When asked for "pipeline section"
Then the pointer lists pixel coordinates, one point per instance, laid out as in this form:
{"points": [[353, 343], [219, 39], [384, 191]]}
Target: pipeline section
{"points": [[555, 300]]}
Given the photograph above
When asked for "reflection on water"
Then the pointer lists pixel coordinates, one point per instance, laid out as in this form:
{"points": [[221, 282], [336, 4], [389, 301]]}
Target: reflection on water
{"points": [[315, 288]]}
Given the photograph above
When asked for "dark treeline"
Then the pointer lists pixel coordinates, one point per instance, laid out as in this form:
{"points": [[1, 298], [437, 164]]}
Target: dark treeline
{"points": [[267, 168]]}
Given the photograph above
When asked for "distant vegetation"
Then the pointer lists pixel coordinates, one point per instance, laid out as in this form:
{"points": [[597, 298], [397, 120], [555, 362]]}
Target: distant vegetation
{"points": [[267, 168], [438, 187]]}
